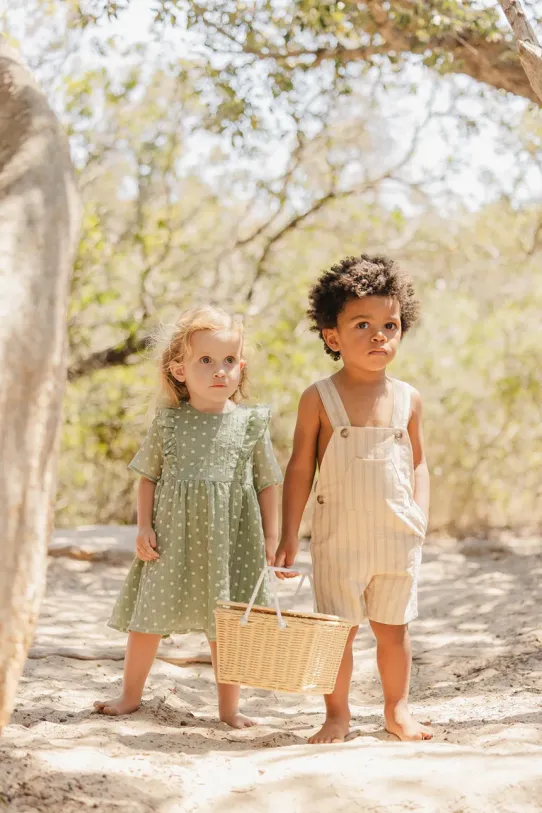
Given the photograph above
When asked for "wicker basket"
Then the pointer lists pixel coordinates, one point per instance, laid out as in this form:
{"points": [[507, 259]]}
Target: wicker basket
{"points": [[283, 651]]}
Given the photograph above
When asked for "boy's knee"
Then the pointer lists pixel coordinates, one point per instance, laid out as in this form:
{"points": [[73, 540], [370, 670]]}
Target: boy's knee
{"points": [[389, 633]]}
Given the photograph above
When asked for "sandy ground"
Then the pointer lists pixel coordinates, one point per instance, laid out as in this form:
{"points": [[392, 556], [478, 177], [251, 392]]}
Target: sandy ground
{"points": [[477, 676]]}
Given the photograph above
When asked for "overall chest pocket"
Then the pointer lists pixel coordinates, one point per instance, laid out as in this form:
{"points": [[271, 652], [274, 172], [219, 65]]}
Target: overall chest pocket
{"points": [[372, 481]]}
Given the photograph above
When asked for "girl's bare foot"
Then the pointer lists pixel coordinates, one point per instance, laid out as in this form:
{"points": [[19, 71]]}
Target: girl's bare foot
{"points": [[401, 723], [116, 707], [237, 720], [335, 729], [228, 700]]}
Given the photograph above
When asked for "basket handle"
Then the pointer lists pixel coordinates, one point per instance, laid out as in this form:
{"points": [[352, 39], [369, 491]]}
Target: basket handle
{"points": [[270, 571]]}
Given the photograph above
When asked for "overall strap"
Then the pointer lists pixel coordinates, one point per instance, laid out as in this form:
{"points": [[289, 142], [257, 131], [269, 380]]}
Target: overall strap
{"points": [[401, 404], [332, 403]]}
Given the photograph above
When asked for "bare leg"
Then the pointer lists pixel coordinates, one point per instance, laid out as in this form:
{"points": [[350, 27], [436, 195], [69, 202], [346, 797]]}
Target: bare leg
{"points": [[337, 723], [140, 654], [228, 700], [394, 659]]}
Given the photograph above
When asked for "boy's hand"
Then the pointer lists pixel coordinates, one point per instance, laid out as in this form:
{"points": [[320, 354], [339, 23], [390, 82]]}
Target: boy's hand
{"points": [[146, 545], [286, 553]]}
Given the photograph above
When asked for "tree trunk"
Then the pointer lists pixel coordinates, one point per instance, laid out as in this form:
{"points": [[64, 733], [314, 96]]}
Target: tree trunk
{"points": [[39, 222], [531, 58], [530, 52]]}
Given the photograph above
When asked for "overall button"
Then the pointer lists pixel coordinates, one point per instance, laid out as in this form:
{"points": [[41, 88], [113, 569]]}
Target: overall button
{"points": [[320, 500], [398, 435], [344, 433]]}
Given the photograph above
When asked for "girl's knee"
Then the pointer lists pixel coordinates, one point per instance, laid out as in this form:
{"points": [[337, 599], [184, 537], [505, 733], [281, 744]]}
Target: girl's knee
{"points": [[351, 635]]}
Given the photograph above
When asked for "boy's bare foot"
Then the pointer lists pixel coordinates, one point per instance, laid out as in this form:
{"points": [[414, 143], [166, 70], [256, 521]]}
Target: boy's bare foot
{"points": [[335, 729], [114, 708], [400, 722], [237, 720]]}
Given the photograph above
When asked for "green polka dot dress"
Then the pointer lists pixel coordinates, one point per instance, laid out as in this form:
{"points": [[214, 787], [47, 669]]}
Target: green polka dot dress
{"points": [[208, 470]]}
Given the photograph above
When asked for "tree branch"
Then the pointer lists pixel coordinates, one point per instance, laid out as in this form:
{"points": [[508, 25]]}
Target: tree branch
{"points": [[291, 225], [111, 357], [488, 57]]}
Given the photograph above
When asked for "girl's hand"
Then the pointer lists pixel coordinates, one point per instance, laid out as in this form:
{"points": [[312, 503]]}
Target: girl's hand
{"points": [[285, 557], [146, 544], [270, 551]]}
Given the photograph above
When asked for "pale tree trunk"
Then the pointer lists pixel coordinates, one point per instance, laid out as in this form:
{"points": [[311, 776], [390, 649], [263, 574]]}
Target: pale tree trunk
{"points": [[39, 221], [530, 52]]}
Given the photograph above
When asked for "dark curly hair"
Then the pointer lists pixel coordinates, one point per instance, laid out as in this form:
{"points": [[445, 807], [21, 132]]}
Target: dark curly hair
{"points": [[356, 277]]}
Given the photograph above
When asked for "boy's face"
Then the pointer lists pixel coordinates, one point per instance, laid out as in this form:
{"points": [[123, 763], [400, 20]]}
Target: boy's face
{"points": [[368, 332]]}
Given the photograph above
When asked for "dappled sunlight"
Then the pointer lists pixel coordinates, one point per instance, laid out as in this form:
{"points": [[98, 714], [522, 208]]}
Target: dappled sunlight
{"points": [[232, 155], [475, 677], [41, 786], [360, 778]]}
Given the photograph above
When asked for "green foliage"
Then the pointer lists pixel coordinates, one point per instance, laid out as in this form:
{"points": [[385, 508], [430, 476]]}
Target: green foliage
{"points": [[237, 180], [104, 417], [475, 358]]}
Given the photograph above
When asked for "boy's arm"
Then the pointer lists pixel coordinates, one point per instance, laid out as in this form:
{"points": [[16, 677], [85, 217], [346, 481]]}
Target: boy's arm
{"points": [[269, 509], [421, 472], [299, 476]]}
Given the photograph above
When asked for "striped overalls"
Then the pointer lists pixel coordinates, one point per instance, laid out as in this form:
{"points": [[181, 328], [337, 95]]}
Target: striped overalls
{"points": [[367, 530]]}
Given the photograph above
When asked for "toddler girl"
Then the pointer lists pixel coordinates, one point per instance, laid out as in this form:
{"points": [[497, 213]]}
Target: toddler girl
{"points": [[207, 503]]}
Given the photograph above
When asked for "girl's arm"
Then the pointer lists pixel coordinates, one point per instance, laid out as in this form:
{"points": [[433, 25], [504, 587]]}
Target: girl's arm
{"points": [[421, 472], [146, 538], [269, 508], [299, 476]]}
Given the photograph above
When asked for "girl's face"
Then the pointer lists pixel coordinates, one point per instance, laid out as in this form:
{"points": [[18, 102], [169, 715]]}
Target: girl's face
{"points": [[213, 370], [368, 333]]}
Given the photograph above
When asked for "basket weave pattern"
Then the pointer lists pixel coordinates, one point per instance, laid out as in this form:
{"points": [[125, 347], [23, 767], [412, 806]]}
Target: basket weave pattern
{"points": [[303, 657]]}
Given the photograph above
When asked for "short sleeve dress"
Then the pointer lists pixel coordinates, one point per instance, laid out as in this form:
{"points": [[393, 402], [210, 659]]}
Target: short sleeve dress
{"points": [[208, 470]]}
